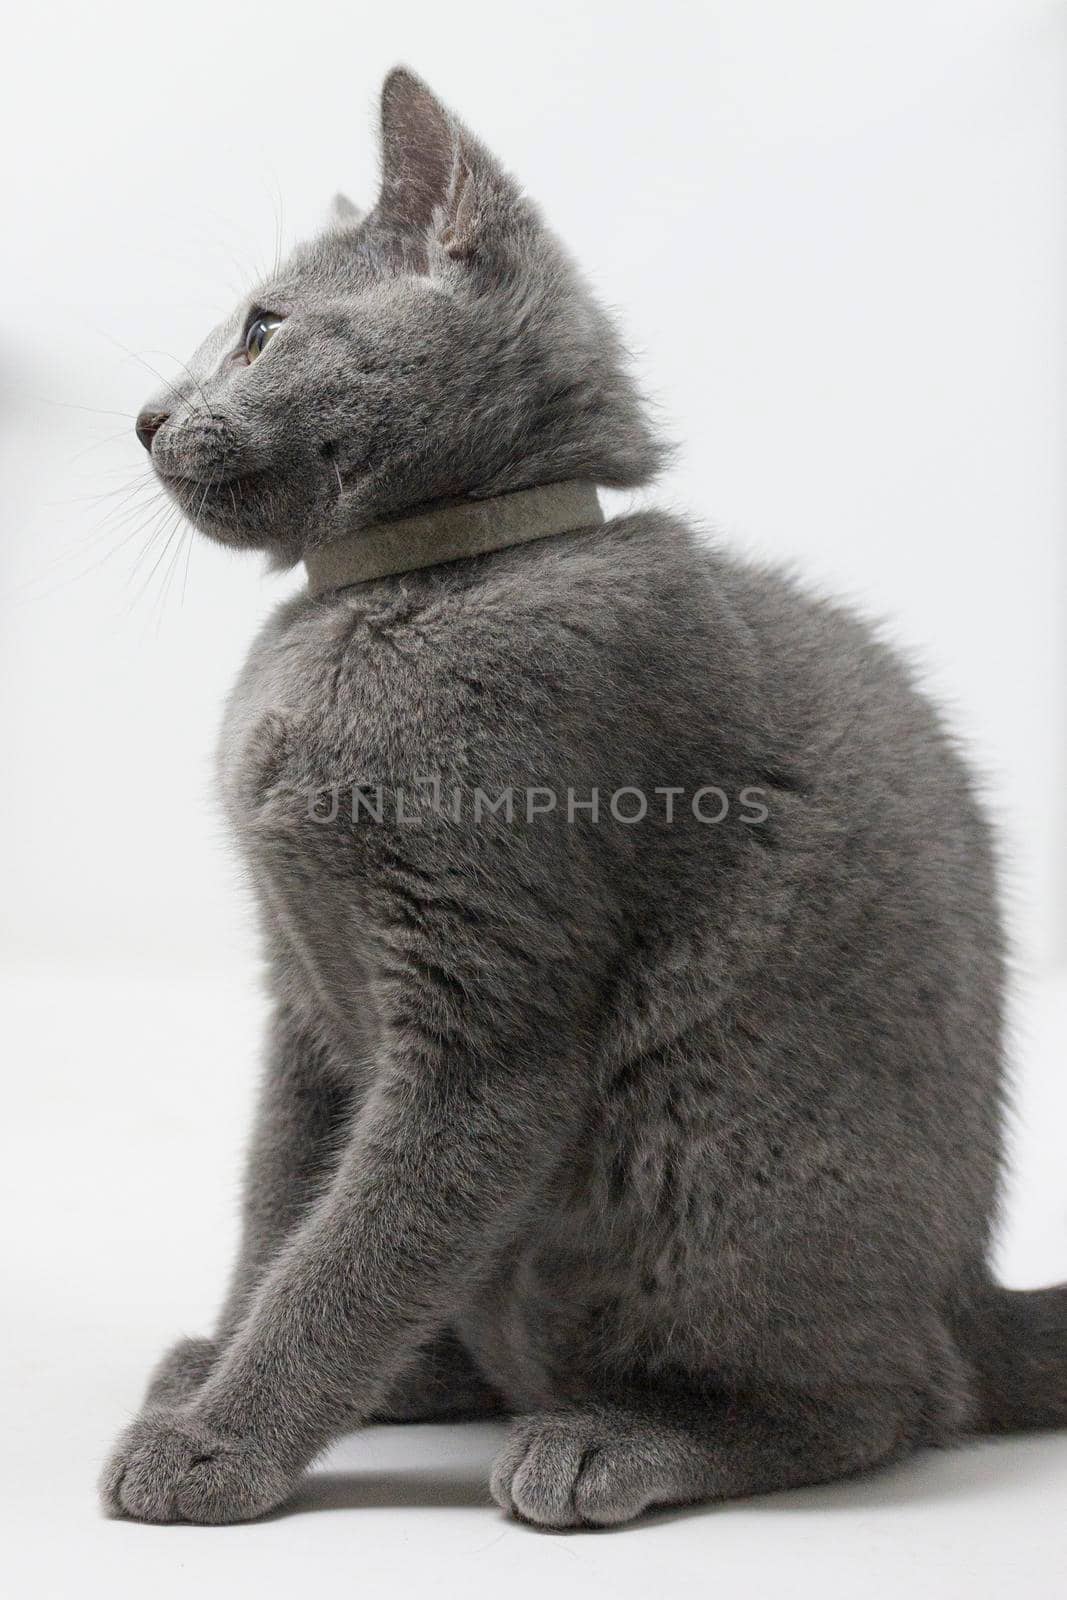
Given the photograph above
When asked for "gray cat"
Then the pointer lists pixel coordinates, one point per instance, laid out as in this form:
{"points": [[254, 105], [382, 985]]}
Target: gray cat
{"points": [[636, 1061]]}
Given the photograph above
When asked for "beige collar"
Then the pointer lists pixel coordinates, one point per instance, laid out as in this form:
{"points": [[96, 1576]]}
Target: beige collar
{"points": [[460, 528]]}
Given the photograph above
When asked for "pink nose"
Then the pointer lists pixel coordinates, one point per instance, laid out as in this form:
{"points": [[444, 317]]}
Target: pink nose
{"points": [[148, 425]]}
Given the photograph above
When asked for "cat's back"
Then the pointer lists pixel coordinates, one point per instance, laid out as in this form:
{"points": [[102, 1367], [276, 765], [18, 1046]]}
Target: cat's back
{"points": [[638, 646]]}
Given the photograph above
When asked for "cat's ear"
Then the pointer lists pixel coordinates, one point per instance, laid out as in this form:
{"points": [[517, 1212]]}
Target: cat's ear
{"points": [[437, 179], [344, 213], [418, 152]]}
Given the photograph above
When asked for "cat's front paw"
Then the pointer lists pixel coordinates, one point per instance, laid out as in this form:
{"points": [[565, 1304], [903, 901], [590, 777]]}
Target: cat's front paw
{"points": [[168, 1468], [573, 1470]]}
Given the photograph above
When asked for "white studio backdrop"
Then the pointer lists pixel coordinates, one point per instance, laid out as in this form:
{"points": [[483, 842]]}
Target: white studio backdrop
{"points": [[836, 236]]}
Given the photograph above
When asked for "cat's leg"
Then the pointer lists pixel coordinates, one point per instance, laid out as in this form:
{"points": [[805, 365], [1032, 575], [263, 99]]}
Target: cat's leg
{"points": [[296, 1136], [605, 1465], [486, 999], [427, 1184], [294, 1141], [475, 1095], [178, 1374], [443, 1384]]}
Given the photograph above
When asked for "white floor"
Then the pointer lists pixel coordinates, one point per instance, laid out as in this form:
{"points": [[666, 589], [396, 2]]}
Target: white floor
{"points": [[126, 1103]]}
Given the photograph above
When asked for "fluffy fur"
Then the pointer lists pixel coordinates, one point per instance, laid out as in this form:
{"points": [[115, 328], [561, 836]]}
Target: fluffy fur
{"points": [[679, 1142]]}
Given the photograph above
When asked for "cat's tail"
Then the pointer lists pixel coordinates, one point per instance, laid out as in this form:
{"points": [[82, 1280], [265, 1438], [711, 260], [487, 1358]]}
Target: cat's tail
{"points": [[1016, 1342]]}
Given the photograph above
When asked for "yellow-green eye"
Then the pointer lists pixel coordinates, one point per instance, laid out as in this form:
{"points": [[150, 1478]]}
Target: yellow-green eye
{"points": [[260, 332]]}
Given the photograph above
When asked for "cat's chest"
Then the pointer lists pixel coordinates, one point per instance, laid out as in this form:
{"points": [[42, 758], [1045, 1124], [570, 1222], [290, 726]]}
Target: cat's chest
{"points": [[308, 715], [327, 696]]}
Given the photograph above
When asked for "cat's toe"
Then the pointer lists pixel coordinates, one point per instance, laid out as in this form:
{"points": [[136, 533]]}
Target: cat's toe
{"points": [[167, 1468], [535, 1472], [570, 1470], [617, 1481]]}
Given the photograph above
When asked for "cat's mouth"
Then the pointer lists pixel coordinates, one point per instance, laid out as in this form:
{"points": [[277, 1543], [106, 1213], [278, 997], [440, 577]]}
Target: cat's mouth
{"points": [[181, 483]]}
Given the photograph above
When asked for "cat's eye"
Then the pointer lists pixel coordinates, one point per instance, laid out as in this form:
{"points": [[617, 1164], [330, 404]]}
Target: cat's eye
{"points": [[260, 332]]}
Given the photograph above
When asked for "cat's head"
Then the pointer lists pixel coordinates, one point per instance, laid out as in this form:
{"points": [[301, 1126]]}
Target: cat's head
{"points": [[443, 345]]}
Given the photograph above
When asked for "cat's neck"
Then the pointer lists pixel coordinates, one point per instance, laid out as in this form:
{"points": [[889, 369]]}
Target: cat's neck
{"points": [[450, 532]]}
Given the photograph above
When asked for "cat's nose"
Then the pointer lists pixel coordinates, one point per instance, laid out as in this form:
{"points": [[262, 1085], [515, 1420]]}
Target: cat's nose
{"points": [[148, 425]]}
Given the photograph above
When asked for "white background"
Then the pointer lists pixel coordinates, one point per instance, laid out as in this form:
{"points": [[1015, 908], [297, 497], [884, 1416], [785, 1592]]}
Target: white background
{"points": [[836, 236]]}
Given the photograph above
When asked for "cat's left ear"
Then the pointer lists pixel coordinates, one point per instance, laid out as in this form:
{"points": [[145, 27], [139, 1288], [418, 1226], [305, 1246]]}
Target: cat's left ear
{"points": [[438, 181]]}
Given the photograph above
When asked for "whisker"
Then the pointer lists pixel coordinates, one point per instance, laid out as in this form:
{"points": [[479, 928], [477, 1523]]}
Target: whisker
{"points": [[279, 216], [115, 518], [160, 607], [111, 524], [135, 356], [184, 368], [170, 526], [188, 559], [105, 494], [98, 444], [73, 405]]}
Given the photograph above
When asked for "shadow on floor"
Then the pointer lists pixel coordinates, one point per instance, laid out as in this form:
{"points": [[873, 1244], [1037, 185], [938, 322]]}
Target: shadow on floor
{"points": [[980, 1469]]}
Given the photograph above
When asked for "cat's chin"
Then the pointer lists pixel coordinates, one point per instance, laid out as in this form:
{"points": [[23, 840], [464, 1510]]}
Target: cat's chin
{"points": [[226, 510]]}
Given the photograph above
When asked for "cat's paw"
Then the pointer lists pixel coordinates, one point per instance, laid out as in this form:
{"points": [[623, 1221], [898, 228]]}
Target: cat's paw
{"points": [[181, 1372], [576, 1469], [168, 1468]]}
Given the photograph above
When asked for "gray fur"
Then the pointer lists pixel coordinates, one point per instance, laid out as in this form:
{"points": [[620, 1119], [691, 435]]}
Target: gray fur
{"points": [[679, 1142]]}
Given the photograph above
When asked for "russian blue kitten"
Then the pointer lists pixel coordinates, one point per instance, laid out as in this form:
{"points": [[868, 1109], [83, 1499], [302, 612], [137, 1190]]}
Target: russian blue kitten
{"points": [[676, 1137]]}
